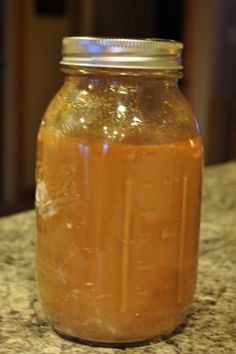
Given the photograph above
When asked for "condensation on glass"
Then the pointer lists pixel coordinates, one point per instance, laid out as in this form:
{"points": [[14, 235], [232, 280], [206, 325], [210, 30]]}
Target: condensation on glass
{"points": [[119, 169]]}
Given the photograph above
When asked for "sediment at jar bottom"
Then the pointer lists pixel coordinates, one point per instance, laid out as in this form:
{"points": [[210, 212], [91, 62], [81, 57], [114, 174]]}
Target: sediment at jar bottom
{"points": [[117, 236]]}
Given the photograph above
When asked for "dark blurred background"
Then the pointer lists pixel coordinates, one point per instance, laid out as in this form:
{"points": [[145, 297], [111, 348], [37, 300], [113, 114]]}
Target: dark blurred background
{"points": [[30, 50]]}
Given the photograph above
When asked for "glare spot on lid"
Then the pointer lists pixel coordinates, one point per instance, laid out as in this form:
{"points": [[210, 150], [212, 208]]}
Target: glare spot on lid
{"points": [[105, 127], [82, 120]]}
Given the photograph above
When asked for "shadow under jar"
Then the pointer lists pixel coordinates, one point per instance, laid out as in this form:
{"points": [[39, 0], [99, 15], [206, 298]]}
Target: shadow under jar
{"points": [[119, 169]]}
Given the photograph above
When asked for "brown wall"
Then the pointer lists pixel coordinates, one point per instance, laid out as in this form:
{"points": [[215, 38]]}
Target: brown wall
{"points": [[32, 76]]}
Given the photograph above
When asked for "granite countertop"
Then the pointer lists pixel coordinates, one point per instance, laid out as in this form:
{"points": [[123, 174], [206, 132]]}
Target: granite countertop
{"points": [[211, 324]]}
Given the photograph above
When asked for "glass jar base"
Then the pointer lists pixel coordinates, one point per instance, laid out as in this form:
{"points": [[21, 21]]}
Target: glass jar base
{"points": [[92, 343], [120, 345]]}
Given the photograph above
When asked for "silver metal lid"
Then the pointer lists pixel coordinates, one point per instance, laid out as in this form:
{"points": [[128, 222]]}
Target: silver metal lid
{"points": [[148, 53]]}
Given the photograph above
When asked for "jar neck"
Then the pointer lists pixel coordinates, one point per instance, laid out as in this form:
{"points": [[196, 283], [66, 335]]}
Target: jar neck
{"points": [[170, 77]]}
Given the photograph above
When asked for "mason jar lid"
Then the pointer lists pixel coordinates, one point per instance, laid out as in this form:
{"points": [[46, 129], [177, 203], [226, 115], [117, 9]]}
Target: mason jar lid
{"points": [[147, 53]]}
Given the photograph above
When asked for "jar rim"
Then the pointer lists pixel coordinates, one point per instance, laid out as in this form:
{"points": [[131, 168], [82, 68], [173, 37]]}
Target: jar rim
{"points": [[148, 53]]}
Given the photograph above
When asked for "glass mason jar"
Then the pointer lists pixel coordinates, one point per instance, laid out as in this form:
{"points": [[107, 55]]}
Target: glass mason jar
{"points": [[119, 172]]}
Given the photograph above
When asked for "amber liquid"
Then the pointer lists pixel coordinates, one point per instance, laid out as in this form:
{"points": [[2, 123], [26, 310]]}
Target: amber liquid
{"points": [[118, 232]]}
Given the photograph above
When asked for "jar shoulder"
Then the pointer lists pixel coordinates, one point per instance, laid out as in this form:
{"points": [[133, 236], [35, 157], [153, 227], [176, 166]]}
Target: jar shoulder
{"points": [[121, 113]]}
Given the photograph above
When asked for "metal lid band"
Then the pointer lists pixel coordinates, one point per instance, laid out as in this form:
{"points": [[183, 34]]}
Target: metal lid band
{"points": [[122, 53]]}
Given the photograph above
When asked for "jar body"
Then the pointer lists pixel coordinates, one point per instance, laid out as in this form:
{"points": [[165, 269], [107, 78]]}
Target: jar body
{"points": [[118, 203]]}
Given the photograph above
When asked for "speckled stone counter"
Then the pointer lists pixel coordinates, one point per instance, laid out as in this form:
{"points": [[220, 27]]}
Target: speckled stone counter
{"points": [[211, 324]]}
